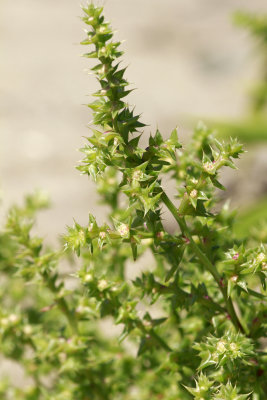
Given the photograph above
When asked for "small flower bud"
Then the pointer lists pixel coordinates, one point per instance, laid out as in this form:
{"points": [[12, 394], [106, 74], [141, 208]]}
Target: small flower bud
{"points": [[102, 285], [4, 322], [235, 256], [260, 257], [123, 230], [102, 235], [233, 347], [80, 309], [27, 330], [160, 235], [221, 347], [209, 167], [234, 278], [13, 318], [187, 241], [88, 278], [193, 193], [137, 175]]}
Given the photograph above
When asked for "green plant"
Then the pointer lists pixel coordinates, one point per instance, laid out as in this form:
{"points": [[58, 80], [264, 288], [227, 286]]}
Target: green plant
{"points": [[192, 325]]}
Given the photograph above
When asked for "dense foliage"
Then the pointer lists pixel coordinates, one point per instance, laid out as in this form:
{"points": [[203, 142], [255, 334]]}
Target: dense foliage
{"points": [[191, 322]]}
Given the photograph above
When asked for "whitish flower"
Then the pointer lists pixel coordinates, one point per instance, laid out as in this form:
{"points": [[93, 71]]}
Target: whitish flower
{"points": [[123, 230], [13, 318], [193, 194], [221, 347], [102, 284], [102, 235], [27, 330], [260, 257], [209, 167], [88, 278]]}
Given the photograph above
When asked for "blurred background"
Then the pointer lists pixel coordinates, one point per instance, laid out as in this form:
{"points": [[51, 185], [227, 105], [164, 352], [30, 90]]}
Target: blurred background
{"points": [[188, 61]]}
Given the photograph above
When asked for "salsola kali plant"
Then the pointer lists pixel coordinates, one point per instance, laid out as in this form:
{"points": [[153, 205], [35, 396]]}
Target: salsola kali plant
{"points": [[191, 325]]}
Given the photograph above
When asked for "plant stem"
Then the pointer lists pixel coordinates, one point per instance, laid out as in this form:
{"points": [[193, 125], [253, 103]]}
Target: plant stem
{"points": [[63, 305], [204, 260], [153, 334]]}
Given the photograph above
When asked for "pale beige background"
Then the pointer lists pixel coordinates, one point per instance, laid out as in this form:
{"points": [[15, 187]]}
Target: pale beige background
{"points": [[184, 56]]}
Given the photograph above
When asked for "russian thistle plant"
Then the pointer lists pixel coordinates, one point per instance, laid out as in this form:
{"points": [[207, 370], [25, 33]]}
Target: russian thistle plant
{"points": [[192, 324]]}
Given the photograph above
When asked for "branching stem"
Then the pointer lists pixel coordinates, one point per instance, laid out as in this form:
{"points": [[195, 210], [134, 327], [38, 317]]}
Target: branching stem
{"points": [[204, 260], [63, 306]]}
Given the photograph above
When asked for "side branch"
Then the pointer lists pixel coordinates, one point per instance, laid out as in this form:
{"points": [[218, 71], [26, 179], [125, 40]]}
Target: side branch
{"points": [[204, 260]]}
